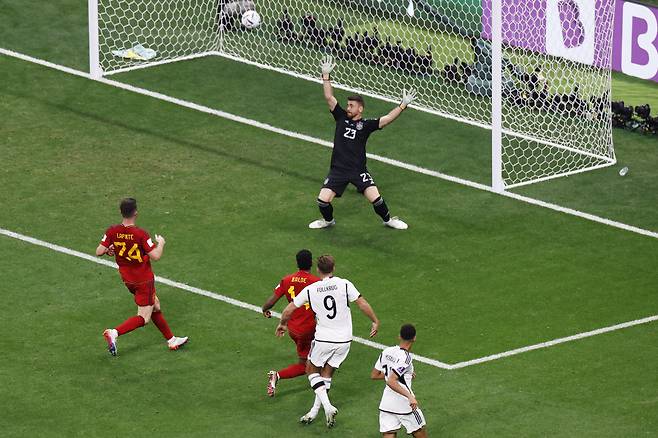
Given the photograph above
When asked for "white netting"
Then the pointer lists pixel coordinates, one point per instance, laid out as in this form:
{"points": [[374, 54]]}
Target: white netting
{"points": [[171, 28], [556, 103], [556, 100]]}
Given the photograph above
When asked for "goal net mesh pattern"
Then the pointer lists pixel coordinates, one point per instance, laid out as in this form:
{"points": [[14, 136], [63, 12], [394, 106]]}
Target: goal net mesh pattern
{"points": [[556, 60], [172, 28]]}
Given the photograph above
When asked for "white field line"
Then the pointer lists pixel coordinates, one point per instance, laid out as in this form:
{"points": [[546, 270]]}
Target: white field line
{"points": [[192, 289], [555, 342], [325, 143], [367, 342]]}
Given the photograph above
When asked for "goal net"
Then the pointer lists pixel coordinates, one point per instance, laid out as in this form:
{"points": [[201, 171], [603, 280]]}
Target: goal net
{"points": [[554, 73]]}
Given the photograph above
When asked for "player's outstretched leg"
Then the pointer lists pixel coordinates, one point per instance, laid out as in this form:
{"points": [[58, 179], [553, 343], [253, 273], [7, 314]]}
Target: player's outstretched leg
{"points": [[380, 207], [127, 326], [290, 372], [173, 342], [326, 209], [317, 404]]}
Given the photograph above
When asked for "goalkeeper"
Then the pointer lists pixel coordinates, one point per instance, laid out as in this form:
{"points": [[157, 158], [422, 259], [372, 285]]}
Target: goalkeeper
{"points": [[348, 159]]}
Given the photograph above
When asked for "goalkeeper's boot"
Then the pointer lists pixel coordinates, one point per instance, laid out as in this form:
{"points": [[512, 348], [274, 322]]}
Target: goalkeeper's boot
{"points": [[331, 416], [111, 336], [321, 223], [272, 378], [175, 343], [396, 223]]}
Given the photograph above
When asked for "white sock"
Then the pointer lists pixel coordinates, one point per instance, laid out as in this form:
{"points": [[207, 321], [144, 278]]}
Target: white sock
{"points": [[318, 385], [317, 403]]}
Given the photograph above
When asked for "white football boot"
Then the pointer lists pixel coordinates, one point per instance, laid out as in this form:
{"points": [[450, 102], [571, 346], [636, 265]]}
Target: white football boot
{"points": [[272, 378], [396, 223], [309, 416], [321, 223], [111, 336], [331, 417], [175, 343]]}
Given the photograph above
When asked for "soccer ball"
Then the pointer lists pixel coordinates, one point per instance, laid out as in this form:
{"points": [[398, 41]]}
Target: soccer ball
{"points": [[251, 19]]}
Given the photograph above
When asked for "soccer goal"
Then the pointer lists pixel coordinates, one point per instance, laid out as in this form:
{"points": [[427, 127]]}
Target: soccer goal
{"points": [[534, 72]]}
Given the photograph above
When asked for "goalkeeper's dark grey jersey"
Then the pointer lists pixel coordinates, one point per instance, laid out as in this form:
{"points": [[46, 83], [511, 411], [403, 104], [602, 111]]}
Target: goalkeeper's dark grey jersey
{"points": [[349, 154]]}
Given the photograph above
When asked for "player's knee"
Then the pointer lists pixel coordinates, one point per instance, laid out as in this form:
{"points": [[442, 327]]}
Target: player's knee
{"points": [[420, 433]]}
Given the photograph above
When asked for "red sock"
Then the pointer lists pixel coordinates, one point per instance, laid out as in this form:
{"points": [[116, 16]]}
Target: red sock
{"points": [[161, 323], [298, 369], [130, 324]]}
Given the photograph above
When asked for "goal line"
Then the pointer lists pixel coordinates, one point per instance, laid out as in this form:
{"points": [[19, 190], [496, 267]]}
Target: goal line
{"points": [[311, 139]]}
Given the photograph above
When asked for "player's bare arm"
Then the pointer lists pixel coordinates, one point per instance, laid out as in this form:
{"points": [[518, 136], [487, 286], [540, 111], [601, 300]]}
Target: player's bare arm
{"points": [[285, 317], [156, 253], [394, 383], [327, 67], [407, 98], [367, 310], [271, 301], [375, 374], [101, 250]]}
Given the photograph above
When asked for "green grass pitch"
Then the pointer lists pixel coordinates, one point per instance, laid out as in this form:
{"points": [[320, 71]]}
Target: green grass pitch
{"points": [[477, 273]]}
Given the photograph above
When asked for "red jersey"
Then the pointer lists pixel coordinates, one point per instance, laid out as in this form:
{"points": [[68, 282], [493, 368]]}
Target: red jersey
{"points": [[131, 248], [303, 319]]}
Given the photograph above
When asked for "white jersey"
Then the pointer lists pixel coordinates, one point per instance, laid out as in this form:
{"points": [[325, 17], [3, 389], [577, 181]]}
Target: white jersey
{"points": [[396, 360], [330, 300]]}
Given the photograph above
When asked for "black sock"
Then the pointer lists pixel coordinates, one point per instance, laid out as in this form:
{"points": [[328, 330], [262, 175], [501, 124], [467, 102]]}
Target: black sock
{"points": [[381, 209], [326, 209]]}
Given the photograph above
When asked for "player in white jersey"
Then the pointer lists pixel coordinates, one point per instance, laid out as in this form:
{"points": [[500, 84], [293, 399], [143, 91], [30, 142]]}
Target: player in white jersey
{"points": [[330, 300], [399, 406]]}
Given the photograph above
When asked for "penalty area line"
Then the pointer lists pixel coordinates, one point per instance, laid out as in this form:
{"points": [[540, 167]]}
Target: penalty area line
{"points": [[547, 344], [318, 141], [194, 290], [366, 342]]}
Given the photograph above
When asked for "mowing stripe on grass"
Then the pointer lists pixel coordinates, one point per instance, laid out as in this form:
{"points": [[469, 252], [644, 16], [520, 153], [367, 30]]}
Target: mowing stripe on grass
{"points": [[310, 139], [192, 289], [367, 342]]}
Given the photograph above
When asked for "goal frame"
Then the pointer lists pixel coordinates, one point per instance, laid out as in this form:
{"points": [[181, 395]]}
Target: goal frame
{"points": [[496, 121]]}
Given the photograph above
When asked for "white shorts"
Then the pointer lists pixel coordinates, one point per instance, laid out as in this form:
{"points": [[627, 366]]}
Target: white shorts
{"points": [[392, 422], [328, 353]]}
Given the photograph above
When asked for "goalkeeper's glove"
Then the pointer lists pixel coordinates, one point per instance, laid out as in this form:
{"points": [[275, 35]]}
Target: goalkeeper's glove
{"points": [[408, 97], [327, 66]]}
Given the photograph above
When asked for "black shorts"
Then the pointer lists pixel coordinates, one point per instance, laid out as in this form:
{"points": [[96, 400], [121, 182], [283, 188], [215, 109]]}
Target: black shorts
{"points": [[337, 181]]}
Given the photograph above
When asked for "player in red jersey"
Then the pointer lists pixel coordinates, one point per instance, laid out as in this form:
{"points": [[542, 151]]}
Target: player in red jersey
{"points": [[302, 323], [133, 250]]}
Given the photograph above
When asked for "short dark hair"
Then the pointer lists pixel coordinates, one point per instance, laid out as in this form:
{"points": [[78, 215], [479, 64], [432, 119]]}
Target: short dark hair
{"points": [[357, 98], [304, 260], [326, 264], [128, 207], [408, 332]]}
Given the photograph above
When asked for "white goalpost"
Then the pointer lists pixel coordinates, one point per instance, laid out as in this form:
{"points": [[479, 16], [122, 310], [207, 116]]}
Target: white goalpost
{"points": [[537, 73]]}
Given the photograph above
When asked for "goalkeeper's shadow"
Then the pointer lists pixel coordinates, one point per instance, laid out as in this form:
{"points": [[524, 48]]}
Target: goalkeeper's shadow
{"points": [[186, 142]]}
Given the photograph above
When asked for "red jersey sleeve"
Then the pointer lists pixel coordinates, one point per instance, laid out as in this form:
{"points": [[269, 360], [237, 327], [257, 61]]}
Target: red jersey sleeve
{"points": [[147, 242], [105, 241], [280, 288]]}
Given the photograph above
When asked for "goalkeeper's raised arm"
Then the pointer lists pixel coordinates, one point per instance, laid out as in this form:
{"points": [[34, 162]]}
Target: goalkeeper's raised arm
{"points": [[407, 98], [327, 67]]}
